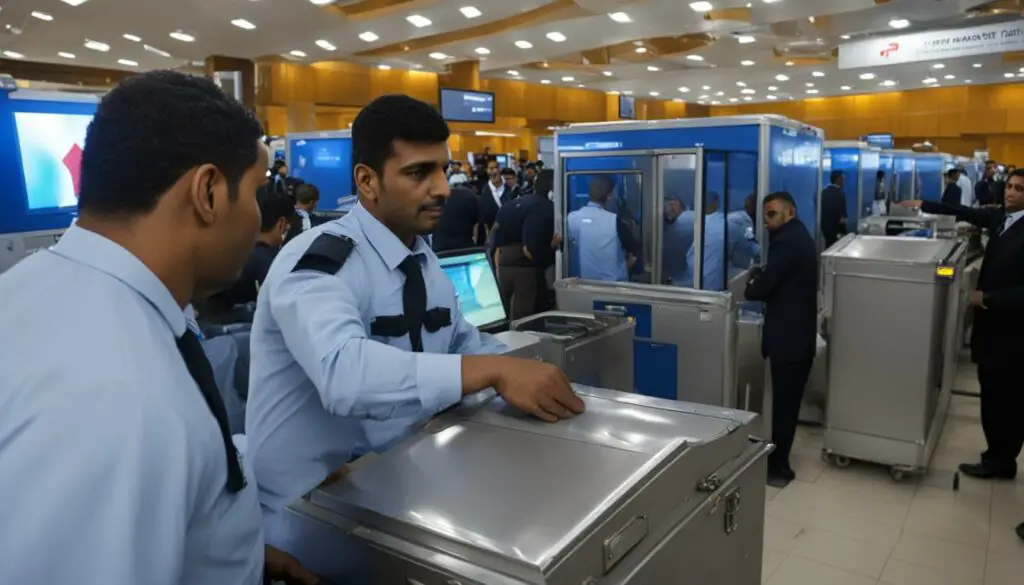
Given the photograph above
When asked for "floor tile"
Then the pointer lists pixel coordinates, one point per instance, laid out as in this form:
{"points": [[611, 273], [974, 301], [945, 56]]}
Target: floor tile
{"points": [[950, 503], [801, 571], [869, 481], [899, 572], [835, 520], [972, 531], [1004, 569], [770, 562], [863, 507], [943, 479], [1004, 539], [857, 556], [955, 559], [781, 535]]}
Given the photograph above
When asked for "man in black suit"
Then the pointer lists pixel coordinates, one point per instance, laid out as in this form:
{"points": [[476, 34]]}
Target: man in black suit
{"points": [[833, 209], [951, 195], [989, 191], [307, 197], [460, 221], [788, 286], [493, 194], [997, 337]]}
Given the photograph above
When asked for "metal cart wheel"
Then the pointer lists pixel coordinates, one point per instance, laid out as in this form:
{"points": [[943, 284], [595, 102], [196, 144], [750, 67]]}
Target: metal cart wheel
{"points": [[825, 456], [841, 460], [897, 474]]}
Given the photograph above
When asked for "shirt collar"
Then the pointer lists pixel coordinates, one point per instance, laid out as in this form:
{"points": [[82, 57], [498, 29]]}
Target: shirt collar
{"points": [[390, 249], [93, 250], [1015, 216]]}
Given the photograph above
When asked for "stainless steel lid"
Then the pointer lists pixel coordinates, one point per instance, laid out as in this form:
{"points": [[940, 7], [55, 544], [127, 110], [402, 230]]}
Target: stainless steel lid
{"points": [[894, 249]]}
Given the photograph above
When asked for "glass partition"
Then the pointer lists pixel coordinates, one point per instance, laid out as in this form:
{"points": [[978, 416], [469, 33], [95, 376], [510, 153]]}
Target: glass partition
{"points": [[678, 187]]}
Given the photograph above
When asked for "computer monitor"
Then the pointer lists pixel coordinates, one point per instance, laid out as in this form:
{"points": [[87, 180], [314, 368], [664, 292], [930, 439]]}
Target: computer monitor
{"points": [[51, 146], [475, 285]]}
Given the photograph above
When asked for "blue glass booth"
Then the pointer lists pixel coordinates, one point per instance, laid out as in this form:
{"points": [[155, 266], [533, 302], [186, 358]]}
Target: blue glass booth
{"points": [[859, 163], [324, 159], [915, 175], [690, 190]]}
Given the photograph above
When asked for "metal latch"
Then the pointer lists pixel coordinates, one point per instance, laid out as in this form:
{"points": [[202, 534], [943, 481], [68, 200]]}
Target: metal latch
{"points": [[709, 484], [732, 510]]}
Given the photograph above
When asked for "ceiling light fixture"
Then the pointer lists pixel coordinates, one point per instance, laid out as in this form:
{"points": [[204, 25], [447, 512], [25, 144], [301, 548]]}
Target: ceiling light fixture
{"points": [[627, 92], [641, 50], [384, 67], [513, 72], [770, 97], [810, 85], [789, 63], [703, 97], [746, 63], [321, 2], [812, 91], [156, 51], [747, 98], [41, 15], [949, 76], [556, 36], [13, 55], [74, 2], [368, 36], [740, 84], [243, 24], [470, 11], [1008, 75], [701, 6], [128, 62], [929, 80], [620, 17], [132, 38], [976, 65], [781, 77], [581, 86], [719, 93], [845, 37], [653, 68], [568, 78], [606, 73], [748, 91], [967, 81], [733, 100], [439, 56], [326, 45], [297, 53], [715, 102], [654, 94], [899, 23], [705, 87], [817, 74], [677, 100], [97, 46], [418, 21], [482, 51], [867, 76], [684, 89], [938, 66], [695, 57], [66, 55], [745, 39], [845, 88], [182, 36], [888, 83], [772, 88], [524, 44], [545, 81]]}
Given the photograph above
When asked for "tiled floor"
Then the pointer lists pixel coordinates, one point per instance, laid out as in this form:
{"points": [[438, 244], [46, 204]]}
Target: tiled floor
{"points": [[855, 526]]}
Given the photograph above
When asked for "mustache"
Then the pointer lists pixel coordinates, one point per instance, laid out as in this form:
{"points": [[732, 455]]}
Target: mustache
{"points": [[437, 203]]}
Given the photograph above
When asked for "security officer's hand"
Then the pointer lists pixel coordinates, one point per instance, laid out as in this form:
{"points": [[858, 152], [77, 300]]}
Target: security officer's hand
{"points": [[281, 566], [537, 388]]}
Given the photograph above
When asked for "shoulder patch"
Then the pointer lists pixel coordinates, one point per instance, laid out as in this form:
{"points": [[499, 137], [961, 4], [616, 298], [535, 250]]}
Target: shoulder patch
{"points": [[326, 254]]}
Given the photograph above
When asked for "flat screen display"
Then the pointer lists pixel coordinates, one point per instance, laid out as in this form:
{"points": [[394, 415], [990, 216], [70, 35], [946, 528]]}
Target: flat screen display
{"points": [[467, 106], [476, 287], [627, 107], [879, 140], [51, 148], [325, 163]]}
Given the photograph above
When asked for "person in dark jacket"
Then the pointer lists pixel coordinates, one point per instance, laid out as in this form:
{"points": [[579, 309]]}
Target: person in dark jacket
{"points": [[997, 336], [460, 221], [989, 191], [951, 195], [307, 197], [788, 286], [833, 209]]}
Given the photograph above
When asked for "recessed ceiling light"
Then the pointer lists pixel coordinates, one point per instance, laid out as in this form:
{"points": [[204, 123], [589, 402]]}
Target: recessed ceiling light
{"points": [[13, 55], [555, 36], [524, 44], [810, 19], [845, 37], [513, 72], [772, 88], [1008, 75], [746, 63], [899, 23], [581, 85], [653, 68], [606, 73], [733, 100], [66, 55], [747, 98], [545, 81], [612, 92], [812, 91], [183, 37], [41, 15], [976, 65], [482, 51], [810, 85], [156, 51], [770, 97], [97, 46], [568, 78], [789, 63], [715, 102], [384, 67], [640, 49], [781, 77], [740, 84], [888, 83], [845, 88], [695, 57], [719, 93], [929, 80], [938, 66], [326, 45], [128, 62], [703, 97], [132, 38], [867, 76], [368, 36], [817, 74], [949, 76], [748, 91], [321, 2], [620, 17], [654, 94], [677, 100], [74, 2], [243, 24], [745, 39], [627, 92], [705, 87], [297, 53], [967, 81], [470, 11], [439, 56], [418, 21], [684, 89], [701, 6]]}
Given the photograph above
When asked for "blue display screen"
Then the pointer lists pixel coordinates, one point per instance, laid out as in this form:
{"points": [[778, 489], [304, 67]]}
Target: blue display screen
{"points": [[467, 106], [879, 140], [627, 107], [476, 288], [326, 163]]}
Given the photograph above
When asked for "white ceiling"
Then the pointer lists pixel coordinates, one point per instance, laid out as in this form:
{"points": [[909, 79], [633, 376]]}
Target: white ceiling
{"points": [[283, 26]]}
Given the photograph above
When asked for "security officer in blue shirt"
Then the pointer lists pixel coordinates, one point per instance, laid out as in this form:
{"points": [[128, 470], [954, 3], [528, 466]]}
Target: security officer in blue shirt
{"points": [[116, 462], [602, 244], [358, 334], [677, 237]]}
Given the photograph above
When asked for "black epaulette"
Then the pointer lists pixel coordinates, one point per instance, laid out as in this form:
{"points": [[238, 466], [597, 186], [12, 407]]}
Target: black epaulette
{"points": [[326, 254]]}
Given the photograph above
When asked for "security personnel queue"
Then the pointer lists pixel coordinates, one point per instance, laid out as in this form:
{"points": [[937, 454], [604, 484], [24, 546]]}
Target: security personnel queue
{"points": [[115, 449]]}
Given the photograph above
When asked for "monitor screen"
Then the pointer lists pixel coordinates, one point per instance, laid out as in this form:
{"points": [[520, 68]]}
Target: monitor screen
{"points": [[476, 287], [467, 106], [51, 148], [325, 163], [627, 107], [879, 140]]}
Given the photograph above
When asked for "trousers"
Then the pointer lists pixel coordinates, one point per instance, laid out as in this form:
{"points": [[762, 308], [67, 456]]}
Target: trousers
{"points": [[788, 382], [1002, 407]]}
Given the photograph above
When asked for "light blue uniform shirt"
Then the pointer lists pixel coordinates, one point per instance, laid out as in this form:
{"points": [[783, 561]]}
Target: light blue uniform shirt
{"points": [[726, 252], [112, 467], [595, 245], [743, 246], [677, 240], [320, 386]]}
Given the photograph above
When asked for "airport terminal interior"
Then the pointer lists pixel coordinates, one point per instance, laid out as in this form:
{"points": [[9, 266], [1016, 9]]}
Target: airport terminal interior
{"points": [[660, 135]]}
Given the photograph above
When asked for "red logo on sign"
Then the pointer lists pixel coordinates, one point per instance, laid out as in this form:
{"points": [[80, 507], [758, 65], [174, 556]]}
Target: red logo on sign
{"points": [[73, 162], [892, 48]]}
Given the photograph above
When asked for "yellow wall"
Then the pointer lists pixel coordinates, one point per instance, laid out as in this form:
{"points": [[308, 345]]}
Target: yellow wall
{"points": [[957, 120]]}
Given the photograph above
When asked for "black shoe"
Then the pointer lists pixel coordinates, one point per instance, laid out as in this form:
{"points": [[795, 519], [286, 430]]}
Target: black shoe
{"points": [[778, 480], [1020, 531], [989, 470]]}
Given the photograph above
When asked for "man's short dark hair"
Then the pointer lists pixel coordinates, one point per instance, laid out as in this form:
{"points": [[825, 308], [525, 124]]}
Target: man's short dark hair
{"points": [[952, 173], [990, 162], [153, 128], [307, 193], [507, 172], [1015, 173], [394, 117], [545, 182], [273, 206], [835, 176], [880, 175], [782, 196]]}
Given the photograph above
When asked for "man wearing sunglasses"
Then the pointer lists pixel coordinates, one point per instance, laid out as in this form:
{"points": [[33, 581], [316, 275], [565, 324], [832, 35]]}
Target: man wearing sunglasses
{"points": [[997, 338]]}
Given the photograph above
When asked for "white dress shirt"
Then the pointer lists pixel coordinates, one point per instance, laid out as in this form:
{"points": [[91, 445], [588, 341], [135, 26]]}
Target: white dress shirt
{"points": [[497, 191], [966, 190], [1011, 218]]}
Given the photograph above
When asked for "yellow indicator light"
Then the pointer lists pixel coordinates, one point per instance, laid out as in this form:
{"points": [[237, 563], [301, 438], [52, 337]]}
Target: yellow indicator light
{"points": [[946, 271]]}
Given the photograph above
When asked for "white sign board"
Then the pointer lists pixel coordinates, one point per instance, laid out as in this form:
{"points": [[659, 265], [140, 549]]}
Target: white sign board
{"points": [[932, 45]]}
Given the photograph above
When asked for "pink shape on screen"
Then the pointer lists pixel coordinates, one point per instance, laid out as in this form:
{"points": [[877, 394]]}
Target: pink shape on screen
{"points": [[73, 162]]}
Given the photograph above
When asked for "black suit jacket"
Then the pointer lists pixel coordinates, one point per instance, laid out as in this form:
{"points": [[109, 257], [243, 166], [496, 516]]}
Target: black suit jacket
{"points": [[489, 208], [998, 332], [989, 192], [833, 211], [951, 196], [788, 286]]}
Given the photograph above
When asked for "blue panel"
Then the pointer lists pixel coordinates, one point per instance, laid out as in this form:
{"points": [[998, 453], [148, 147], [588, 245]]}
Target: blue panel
{"points": [[326, 163], [903, 178], [869, 188], [793, 167], [929, 175], [845, 160], [633, 138], [639, 314], [656, 369], [47, 153]]}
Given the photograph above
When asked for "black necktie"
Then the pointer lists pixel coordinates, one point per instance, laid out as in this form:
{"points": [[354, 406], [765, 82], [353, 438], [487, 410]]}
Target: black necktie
{"points": [[202, 372], [414, 300]]}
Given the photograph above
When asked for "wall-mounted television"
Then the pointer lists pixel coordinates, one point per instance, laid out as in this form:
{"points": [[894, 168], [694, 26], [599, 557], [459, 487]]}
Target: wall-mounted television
{"points": [[627, 107], [879, 140], [467, 106]]}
